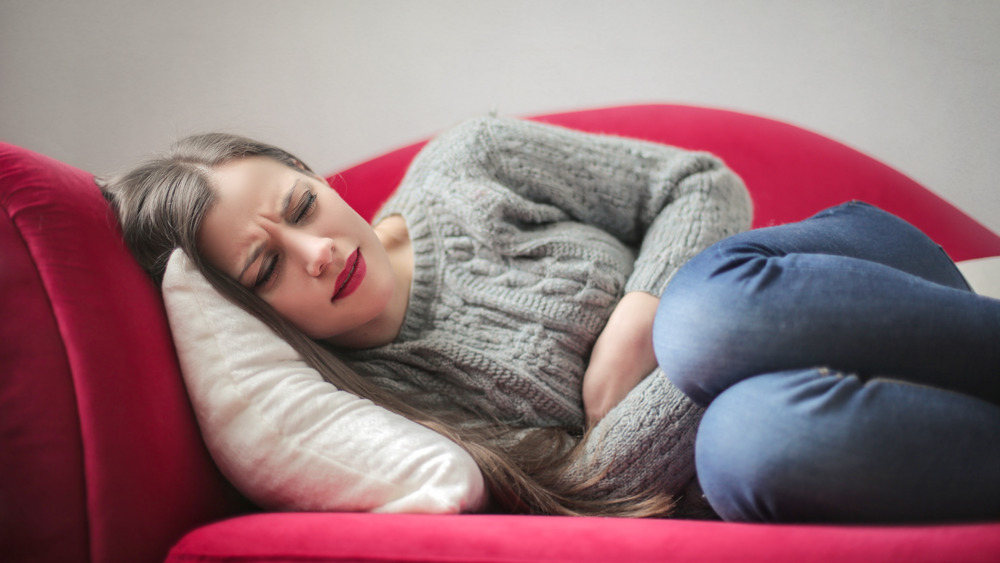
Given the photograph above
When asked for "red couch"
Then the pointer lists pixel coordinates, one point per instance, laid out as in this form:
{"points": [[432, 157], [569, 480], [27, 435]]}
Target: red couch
{"points": [[102, 460]]}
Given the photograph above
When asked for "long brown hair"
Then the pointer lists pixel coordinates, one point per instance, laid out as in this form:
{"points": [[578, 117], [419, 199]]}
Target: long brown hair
{"points": [[160, 206]]}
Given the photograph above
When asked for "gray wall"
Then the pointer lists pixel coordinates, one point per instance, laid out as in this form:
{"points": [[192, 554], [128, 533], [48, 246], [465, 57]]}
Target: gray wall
{"points": [[100, 83]]}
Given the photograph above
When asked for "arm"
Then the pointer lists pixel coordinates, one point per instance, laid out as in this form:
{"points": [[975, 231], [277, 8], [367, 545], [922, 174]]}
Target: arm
{"points": [[622, 356], [664, 202], [667, 203]]}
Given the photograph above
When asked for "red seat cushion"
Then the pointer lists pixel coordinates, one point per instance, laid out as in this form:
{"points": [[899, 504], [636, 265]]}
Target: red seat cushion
{"points": [[490, 538]]}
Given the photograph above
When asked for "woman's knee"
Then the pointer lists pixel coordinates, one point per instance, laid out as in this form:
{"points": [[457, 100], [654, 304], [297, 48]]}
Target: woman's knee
{"points": [[757, 458], [734, 456], [705, 317]]}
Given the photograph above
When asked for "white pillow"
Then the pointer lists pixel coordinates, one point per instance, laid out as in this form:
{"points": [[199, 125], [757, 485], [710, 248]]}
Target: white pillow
{"points": [[288, 439], [983, 274]]}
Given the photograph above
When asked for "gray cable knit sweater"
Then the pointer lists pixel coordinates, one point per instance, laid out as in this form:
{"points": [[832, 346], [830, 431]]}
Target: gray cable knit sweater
{"points": [[525, 236]]}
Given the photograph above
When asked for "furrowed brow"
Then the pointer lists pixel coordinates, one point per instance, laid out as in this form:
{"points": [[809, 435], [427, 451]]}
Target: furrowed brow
{"points": [[286, 202], [254, 255]]}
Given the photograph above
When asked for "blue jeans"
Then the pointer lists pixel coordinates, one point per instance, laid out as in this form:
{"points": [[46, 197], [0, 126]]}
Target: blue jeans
{"points": [[849, 374]]}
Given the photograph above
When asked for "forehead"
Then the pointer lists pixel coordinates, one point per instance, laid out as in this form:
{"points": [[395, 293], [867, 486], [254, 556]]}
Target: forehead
{"points": [[247, 191], [245, 178]]}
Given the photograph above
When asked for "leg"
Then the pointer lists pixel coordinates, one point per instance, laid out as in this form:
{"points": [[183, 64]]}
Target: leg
{"points": [[813, 445], [853, 288], [859, 230]]}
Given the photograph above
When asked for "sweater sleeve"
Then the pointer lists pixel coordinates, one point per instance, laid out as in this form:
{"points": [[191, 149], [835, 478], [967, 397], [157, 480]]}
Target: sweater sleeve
{"points": [[645, 442], [665, 202], [669, 204]]}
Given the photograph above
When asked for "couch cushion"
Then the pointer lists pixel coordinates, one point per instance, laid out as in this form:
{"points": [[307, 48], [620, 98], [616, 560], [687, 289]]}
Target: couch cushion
{"points": [[983, 274], [508, 539]]}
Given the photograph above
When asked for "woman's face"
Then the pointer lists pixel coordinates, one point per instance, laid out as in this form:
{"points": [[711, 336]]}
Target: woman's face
{"points": [[288, 237]]}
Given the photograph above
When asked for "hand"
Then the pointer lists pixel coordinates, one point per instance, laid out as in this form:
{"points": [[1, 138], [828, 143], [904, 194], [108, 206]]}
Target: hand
{"points": [[622, 356]]}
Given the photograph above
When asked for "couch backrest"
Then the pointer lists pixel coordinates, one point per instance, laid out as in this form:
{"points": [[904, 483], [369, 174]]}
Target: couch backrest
{"points": [[101, 455], [790, 172]]}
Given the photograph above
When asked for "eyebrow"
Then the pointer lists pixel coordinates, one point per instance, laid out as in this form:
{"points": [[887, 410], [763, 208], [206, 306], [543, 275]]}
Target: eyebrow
{"points": [[286, 202]]}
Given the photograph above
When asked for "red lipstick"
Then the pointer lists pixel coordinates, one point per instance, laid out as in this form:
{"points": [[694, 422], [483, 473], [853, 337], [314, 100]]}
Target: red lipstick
{"points": [[351, 276]]}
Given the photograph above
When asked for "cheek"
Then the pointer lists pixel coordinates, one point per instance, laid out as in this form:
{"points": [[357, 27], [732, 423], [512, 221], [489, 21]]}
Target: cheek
{"points": [[294, 304], [306, 320]]}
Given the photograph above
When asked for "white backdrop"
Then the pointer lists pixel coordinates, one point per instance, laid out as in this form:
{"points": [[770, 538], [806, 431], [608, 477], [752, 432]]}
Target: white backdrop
{"points": [[100, 83]]}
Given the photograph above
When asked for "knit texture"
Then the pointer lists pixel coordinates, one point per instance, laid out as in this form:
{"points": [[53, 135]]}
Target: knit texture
{"points": [[525, 237]]}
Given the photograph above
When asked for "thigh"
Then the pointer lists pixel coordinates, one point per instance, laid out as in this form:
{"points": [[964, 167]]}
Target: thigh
{"points": [[820, 446], [858, 230], [747, 306]]}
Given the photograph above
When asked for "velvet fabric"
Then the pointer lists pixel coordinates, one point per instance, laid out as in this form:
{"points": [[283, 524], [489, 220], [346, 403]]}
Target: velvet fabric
{"points": [[102, 459], [374, 538]]}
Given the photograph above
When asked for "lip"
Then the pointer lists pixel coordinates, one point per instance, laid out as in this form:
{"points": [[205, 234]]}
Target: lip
{"points": [[350, 277]]}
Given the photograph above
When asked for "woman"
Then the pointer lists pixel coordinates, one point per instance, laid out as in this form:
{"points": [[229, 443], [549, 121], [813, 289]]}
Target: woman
{"points": [[505, 297]]}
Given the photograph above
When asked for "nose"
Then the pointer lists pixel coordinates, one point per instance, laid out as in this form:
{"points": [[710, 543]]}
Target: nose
{"points": [[315, 252]]}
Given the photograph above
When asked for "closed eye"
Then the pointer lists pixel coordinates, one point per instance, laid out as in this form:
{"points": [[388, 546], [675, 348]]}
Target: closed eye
{"points": [[304, 207], [267, 272]]}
